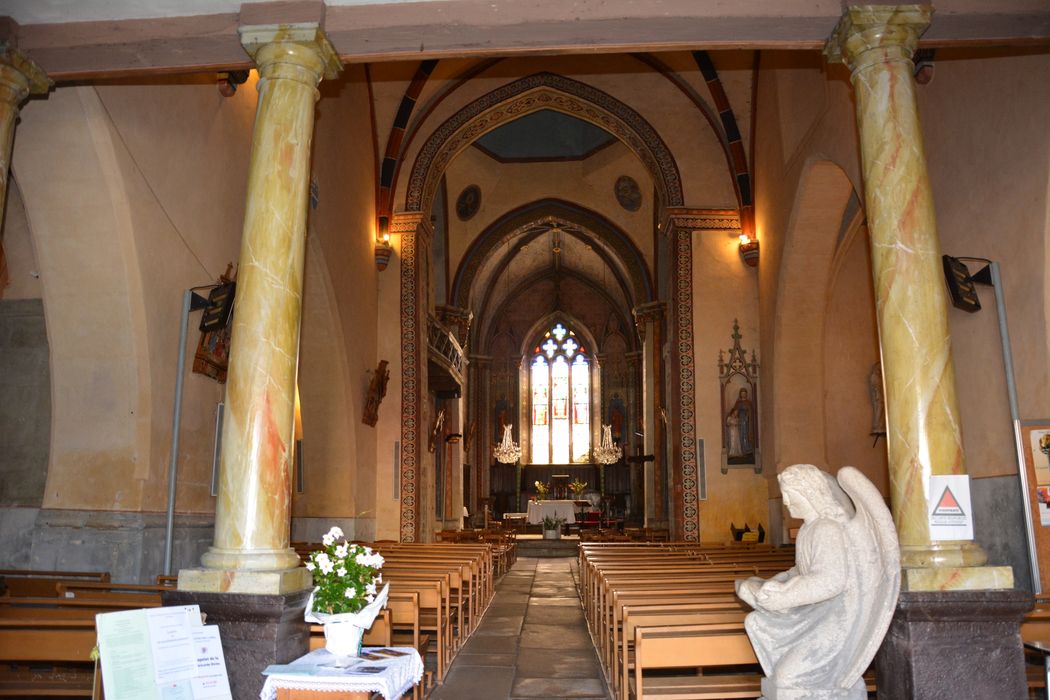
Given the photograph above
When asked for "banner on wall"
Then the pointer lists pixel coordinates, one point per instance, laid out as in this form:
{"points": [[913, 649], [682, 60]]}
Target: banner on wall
{"points": [[949, 508]]}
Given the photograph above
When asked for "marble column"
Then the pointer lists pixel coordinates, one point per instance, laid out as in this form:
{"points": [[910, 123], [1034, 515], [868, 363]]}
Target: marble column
{"points": [[19, 78], [649, 320], [251, 552], [877, 43]]}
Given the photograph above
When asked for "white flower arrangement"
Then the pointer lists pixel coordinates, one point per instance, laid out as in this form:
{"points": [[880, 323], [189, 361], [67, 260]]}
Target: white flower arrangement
{"points": [[346, 575]]}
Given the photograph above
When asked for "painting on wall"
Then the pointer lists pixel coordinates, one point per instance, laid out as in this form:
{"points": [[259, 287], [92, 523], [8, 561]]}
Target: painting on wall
{"points": [[739, 385], [1035, 435]]}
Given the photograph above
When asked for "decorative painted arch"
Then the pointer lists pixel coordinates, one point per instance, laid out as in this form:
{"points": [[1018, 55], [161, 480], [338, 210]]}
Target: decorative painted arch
{"points": [[532, 94], [518, 220]]}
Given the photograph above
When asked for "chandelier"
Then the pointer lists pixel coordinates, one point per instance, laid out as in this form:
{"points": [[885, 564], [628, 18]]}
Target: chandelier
{"points": [[607, 452], [508, 451]]}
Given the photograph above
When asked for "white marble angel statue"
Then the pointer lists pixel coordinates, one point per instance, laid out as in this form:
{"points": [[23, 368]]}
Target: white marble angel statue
{"points": [[816, 627]]}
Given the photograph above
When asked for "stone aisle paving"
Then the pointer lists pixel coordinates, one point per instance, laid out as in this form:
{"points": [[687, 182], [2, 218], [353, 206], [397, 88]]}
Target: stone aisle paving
{"points": [[531, 643]]}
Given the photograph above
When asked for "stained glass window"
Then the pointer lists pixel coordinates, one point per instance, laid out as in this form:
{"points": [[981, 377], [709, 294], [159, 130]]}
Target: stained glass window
{"points": [[560, 387]]}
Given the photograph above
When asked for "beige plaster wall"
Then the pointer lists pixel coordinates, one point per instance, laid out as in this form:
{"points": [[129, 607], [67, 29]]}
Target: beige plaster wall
{"points": [[988, 161], [341, 312], [851, 347], [724, 289], [988, 151], [588, 183], [127, 209], [22, 269]]}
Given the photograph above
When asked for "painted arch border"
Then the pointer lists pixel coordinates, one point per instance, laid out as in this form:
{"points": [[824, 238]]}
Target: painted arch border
{"points": [[532, 94]]}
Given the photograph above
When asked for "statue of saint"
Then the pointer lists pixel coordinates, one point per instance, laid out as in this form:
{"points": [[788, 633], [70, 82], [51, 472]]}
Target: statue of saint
{"points": [[816, 627], [740, 430]]}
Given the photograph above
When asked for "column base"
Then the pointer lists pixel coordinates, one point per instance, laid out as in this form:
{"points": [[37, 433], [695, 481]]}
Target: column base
{"points": [[958, 578], [257, 630], [277, 582], [934, 638]]}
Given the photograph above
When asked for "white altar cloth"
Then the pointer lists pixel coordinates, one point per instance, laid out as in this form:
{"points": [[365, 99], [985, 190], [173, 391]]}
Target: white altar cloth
{"points": [[313, 672], [538, 510]]}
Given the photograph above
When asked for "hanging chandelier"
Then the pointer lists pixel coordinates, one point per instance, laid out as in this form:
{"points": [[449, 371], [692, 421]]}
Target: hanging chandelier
{"points": [[607, 452], [508, 451]]}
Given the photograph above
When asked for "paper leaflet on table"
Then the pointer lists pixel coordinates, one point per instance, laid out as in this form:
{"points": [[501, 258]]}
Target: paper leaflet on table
{"points": [[161, 654]]}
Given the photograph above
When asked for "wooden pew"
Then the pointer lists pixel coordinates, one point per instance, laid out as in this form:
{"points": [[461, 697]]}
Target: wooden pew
{"points": [[46, 657], [25, 582], [692, 647]]}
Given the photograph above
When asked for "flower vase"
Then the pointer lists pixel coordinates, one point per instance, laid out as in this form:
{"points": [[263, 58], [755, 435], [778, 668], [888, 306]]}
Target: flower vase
{"points": [[343, 638], [552, 534]]}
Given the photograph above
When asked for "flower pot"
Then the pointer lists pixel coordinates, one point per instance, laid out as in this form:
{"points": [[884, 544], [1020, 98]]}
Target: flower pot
{"points": [[552, 534], [343, 638]]}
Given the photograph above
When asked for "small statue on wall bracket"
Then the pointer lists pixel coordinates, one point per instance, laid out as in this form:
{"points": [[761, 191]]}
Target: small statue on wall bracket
{"points": [[376, 392], [739, 387]]}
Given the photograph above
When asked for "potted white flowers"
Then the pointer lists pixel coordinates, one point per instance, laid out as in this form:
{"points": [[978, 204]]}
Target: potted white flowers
{"points": [[552, 527], [345, 598]]}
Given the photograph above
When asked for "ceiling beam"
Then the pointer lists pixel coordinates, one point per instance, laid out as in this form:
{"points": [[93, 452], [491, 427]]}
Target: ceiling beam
{"points": [[482, 28]]}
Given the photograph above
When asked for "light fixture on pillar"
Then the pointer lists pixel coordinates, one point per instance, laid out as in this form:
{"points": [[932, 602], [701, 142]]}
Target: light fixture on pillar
{"points": [[607, 452], [383, 247], [508, 451], [748, 250]]}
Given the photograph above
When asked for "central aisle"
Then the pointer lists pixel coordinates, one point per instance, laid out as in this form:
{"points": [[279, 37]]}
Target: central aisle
{"points": [[532, 642]]}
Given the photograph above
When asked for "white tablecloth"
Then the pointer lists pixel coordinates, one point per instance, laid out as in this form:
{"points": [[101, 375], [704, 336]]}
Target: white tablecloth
{"points": [[399, 674], [538, 510]]}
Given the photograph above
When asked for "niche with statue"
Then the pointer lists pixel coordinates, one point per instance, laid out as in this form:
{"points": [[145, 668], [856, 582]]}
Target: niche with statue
{"points": [[739, 390]]}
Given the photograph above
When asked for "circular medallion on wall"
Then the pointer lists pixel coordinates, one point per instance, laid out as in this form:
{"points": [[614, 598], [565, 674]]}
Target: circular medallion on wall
{"points": [[468, 202], [627, 193]]}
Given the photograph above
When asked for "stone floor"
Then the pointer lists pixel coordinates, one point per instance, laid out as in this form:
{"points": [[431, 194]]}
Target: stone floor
{"points": [[531, 643]]}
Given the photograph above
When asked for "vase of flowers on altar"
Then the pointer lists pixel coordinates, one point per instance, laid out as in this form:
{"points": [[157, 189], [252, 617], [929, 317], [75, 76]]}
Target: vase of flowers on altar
{"points": [[345, 599], [552, 527], [577, 488], [542, 490]]}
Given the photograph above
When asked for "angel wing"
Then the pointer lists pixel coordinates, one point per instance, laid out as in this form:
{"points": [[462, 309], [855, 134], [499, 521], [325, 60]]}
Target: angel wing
{"points": [[872, 525]]}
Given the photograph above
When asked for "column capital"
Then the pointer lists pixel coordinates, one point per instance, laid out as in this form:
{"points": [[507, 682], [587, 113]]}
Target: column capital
{"points": [[21, 75], [293, 47], [870, 34]]}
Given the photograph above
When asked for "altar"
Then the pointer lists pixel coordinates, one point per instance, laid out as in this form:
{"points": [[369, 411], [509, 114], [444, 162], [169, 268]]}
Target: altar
{"points": [[538, 510]]}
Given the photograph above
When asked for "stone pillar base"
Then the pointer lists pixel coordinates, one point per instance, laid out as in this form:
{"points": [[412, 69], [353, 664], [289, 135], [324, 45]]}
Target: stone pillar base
{"points": [[958, 578], [256, 630], [958, 644]]}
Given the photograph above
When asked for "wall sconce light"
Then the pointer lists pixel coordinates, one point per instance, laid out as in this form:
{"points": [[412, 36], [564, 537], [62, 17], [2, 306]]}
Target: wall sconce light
{"points": [[748, 250], [383, 247]]}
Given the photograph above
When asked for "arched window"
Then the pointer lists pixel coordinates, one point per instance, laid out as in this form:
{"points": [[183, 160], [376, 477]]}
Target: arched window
{"points": [[560, 391]]}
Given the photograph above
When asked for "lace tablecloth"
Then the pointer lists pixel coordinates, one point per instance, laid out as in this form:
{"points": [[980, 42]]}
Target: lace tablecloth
{"points": [[316, 671]]}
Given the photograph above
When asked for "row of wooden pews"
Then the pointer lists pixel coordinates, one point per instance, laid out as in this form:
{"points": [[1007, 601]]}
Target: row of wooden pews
{"points": [[47, 628], [438, 591], [672, 605]]}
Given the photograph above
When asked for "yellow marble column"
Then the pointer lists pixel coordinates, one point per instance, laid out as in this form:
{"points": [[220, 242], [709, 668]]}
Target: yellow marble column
{"points": [[19, 78], [251, 552], [877, 43]]}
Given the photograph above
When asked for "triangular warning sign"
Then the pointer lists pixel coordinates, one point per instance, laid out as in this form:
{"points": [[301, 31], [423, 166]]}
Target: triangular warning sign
{"points": [[948, 505]]}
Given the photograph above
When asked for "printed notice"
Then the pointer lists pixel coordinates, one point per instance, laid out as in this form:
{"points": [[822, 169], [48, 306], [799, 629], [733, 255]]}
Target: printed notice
{"points": [[127, 665], [949, 509], [172, 644], [211, 681]]}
